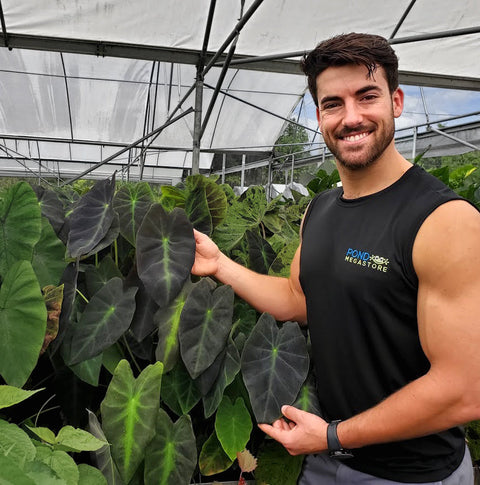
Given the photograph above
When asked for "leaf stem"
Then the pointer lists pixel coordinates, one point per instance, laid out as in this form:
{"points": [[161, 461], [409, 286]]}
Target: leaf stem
{"points": [[131, 354], [82, 295]]}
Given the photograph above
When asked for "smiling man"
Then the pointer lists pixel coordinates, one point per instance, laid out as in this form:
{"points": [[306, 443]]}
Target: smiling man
{"points": [[387, 279]]}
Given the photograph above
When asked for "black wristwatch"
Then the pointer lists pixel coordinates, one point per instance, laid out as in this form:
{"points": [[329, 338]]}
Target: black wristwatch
{"points": [[335, 449]]}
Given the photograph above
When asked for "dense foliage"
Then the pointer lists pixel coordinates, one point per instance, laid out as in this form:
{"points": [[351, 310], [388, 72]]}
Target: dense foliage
{"points": [[118, 366]]}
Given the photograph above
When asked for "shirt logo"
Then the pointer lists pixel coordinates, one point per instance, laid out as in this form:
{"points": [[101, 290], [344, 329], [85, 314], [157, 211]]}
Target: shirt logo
{"points": [[367, 260]]}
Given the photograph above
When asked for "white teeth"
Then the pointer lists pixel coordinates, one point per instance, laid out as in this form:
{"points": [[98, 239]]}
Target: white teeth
{"points": [[355, 137]]}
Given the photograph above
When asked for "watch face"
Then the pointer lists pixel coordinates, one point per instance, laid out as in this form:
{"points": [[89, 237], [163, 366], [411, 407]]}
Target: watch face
{"points": [[341, 454]]}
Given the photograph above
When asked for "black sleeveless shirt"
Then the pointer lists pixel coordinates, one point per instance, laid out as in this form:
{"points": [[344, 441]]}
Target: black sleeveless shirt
{"points": [[357, 274]]}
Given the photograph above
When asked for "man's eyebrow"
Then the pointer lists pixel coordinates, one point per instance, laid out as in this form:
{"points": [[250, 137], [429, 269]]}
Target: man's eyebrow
{"points": [[363, 90]]}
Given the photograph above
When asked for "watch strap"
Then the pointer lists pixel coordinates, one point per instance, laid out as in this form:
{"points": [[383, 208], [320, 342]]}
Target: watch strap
{"points": [[334, 446]]}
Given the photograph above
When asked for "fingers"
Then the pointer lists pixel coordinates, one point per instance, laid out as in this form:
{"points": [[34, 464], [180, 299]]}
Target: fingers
{"points": [[293, 414]]}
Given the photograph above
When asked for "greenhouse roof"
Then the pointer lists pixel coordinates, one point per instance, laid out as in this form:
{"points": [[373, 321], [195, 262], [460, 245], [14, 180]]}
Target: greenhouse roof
{"points": [[93, 86]]}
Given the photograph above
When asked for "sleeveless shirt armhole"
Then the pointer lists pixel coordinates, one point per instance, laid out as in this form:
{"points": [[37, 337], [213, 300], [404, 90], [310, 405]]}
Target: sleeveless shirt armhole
{"points": [[410, 268], [308, 212]]}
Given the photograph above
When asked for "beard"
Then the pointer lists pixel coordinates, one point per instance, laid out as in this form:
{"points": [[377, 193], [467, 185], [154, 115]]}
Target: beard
{"points": [[364, 156]]}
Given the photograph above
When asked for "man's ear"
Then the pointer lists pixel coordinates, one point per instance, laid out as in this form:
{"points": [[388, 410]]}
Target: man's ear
{"points": [[318, 117], [397, 102]]}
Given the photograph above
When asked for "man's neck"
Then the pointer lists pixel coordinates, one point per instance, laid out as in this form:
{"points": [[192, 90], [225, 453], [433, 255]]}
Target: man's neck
{"points": [[374, 178]]}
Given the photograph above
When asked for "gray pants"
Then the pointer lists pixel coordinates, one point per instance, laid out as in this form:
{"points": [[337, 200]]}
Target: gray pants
{"points": [[323, 470]]}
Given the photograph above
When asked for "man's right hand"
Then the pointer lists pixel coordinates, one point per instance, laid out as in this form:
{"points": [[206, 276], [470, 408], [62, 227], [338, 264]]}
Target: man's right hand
{"points": [[207, 255]]}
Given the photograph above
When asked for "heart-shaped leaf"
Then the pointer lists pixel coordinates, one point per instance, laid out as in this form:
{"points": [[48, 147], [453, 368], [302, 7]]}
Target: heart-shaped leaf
{"points": [[165, 253], [23, 321], [132, 202], [51, 207], [105, 319], [205, 325], [275, 364], [129, 413], [233, 426], [171, 457], [91, 219], [20, 223]]}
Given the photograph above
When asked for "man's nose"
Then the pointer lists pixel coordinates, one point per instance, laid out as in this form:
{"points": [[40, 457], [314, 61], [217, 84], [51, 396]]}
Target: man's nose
{"points": [[352, 115]]}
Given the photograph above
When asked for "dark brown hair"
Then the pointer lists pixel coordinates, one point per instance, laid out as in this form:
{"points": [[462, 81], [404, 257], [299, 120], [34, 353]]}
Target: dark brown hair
{"points": [[368, 50]]}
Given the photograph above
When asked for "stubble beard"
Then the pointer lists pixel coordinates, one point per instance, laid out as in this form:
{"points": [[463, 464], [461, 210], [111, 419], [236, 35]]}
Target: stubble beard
{"points": [[373, 153]]}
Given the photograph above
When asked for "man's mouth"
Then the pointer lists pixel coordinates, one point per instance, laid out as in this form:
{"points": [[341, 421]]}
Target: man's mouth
{"points": [[355, 136]]}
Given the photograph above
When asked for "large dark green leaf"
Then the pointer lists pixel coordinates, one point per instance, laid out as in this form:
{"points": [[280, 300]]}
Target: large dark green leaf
{"points": [[171, 456], [206, 203], [274, 364], [23, 321], [205, 325], [105, 319], [281, 264], [91, 219], [179, 391], [196, 207], [129, 413], [229, 369], [51, 207], [168, 322], [20, 224], [165, 253], [260, 253], [48, 256], [132, 202]]}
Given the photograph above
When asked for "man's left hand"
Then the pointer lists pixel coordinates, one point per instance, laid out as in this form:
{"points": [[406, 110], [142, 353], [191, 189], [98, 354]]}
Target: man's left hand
{"points": [[301, 433]]}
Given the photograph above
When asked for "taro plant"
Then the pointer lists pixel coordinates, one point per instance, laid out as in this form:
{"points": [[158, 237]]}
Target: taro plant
{"points": [[98, 306]]}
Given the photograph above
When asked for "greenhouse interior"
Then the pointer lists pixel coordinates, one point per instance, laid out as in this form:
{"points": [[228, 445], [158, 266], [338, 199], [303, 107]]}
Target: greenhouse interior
{"points": [[97, 87], [131, 132]]}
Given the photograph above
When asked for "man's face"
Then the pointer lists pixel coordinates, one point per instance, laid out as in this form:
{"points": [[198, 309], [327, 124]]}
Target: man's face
{"points": [[356, 114]]}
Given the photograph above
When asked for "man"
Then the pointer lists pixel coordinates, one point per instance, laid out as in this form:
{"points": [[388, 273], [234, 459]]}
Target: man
{"points": [[387, 278]]}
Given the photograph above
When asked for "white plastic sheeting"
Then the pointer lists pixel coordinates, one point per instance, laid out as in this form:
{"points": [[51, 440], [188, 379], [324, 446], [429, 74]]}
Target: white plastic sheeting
{"points": [[64, 110]]}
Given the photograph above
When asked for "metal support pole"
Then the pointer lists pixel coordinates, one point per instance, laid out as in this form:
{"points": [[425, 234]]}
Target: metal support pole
{"points": [[269, 180], [293, 168], [242, 177], [197, 124], [224, 164], [414, 143]]}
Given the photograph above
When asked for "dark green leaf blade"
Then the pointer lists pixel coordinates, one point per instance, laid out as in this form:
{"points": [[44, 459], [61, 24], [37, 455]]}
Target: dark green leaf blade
{"points": [[260, 253], [171, 457], [205, 325], [165, 253], [105, 319], [48, 256], [20, 223], [91, 219], [23, 321], [132, 202], [274, 364]]}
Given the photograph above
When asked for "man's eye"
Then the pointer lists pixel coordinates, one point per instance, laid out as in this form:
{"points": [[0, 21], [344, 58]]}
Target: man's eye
{"points": [[329, 106]]}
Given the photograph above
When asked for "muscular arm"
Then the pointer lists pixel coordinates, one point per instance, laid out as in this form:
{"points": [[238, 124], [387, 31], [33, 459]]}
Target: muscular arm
{"points": [[281, 297], [446, 257]]}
